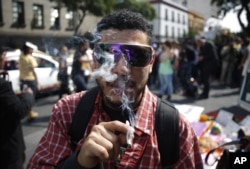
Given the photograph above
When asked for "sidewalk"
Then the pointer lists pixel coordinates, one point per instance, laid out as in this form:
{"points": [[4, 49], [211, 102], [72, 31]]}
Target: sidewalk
{"points": [[219, 98]]}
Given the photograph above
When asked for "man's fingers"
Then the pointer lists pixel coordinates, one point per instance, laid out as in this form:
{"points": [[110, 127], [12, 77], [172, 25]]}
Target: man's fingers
{"points": [[103, 136], [91, 154], [104, 139], [125, 132], [116, 126], [104, 148], [103, 142]]}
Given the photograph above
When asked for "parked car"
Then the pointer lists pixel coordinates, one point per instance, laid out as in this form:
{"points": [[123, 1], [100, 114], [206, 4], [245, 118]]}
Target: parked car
{"points": [[46, 71]]}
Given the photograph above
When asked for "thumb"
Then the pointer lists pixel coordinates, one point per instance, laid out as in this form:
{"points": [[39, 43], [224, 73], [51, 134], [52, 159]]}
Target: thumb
{"points": [[127, 138]]}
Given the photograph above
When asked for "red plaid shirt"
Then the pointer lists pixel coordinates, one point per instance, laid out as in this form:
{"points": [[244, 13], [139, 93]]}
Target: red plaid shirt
{"points": [[55, 145]]}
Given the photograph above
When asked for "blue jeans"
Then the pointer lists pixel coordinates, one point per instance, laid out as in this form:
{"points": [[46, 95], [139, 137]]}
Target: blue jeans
{"points": [[80, 82], [30, 83], [166, 82]]}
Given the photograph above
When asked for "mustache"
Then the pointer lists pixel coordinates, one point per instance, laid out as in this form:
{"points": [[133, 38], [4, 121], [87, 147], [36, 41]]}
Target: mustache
{"points": [[122, 83]]}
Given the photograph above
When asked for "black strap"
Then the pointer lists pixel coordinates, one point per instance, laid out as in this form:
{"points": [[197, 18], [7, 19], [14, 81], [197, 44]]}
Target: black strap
{"points": [[166, 125], [167, 129], [82, 116]]}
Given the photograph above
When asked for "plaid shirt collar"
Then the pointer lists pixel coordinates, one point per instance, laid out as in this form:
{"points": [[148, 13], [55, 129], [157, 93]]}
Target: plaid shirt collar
{"points": [[144, 117]]}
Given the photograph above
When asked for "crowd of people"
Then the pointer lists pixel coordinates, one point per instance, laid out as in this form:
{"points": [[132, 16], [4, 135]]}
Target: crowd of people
{"points": [[191, 64], [181, 67]]}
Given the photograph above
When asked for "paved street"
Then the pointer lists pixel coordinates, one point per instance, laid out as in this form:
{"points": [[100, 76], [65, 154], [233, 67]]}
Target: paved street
{"points": [[226, 98]]}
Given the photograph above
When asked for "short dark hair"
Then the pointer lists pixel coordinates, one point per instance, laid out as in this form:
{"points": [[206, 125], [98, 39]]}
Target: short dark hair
{"points": [[1, 50], [25, 49], [125, 19], [168, 43]]}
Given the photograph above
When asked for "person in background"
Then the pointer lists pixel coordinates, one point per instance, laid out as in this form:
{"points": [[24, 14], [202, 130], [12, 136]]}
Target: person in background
{"points": [[153, 80], [176, 64], [81, 66], [166, 71], [125, 48], [63, 76], [13, 109], [236, 77], [208, 63], [27, 65], [229, 55], [87, 62], [245, 57], [187, 70]]}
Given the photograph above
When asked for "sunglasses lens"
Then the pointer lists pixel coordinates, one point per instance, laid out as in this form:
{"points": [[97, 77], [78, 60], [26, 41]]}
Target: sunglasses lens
{"points": [[136, 55]]}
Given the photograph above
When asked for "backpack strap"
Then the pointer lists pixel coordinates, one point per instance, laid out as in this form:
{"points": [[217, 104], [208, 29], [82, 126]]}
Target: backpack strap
{"points": [[82, 116], [167, 130]]}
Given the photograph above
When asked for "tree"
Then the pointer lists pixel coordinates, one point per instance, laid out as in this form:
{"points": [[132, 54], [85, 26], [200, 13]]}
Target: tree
{"points": [[145, 8], [83, 7], [237, 5], [103, 7], [191, 33]]}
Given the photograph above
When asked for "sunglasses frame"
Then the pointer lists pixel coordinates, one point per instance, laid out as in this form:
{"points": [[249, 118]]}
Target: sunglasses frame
{"points": [[126, 57]]}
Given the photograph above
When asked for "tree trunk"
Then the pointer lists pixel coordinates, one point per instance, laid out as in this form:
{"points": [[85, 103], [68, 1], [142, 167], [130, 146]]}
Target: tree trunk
{"points": [[245, 28], [80, 22]]}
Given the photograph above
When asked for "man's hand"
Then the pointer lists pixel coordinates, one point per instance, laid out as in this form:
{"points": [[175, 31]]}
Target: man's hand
{"points": [[102, 143]]}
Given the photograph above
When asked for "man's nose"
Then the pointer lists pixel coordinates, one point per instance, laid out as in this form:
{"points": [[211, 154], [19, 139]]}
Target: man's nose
{"points": [[121, 67]]}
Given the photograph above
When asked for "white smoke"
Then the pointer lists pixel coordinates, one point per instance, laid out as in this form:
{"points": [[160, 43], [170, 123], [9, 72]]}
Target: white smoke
{"points": [[105, 72]]}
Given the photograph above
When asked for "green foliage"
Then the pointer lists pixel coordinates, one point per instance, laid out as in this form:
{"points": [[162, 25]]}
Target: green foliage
{"points": [[103, 7], [100, 7], [96, 7], [226, 5], [82, 7], [238, 6], [145, 8], [191, 33]]}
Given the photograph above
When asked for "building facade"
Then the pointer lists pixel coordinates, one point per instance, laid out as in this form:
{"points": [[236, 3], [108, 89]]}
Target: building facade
{"points": [[41, 22], [171, 22], [48, 26], [178, 18], [195, 21], [203, 7]]}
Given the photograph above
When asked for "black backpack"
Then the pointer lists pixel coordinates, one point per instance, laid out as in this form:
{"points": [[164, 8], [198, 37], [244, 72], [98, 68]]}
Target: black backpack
{"points": [[166, 126]]}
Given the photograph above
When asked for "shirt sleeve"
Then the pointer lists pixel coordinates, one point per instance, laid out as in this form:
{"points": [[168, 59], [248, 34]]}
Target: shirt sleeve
{"points": [[55, 147], [33, 62], [190, 156]]}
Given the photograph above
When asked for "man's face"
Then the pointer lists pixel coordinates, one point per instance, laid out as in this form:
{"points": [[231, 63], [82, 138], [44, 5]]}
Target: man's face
{"points": [[128, 80]]}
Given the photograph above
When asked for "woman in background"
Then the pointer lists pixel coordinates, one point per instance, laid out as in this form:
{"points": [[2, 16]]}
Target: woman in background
{"points": [[166, 71]]}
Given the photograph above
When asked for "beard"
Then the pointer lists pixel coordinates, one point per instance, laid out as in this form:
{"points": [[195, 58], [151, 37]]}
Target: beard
{"points": [[117, 97]]}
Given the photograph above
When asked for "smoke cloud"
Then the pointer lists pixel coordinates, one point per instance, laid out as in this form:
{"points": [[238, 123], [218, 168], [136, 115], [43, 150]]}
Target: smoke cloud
{"points": [[105, 72]]}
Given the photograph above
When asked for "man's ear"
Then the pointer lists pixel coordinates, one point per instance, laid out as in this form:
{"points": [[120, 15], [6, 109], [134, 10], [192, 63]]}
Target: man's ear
{"points": [[152, 63], [152, 59]]}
